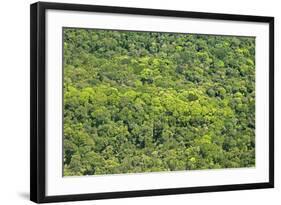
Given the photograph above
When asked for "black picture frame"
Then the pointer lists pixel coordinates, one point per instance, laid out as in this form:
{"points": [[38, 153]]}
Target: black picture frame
{"points": [[38, 101]]}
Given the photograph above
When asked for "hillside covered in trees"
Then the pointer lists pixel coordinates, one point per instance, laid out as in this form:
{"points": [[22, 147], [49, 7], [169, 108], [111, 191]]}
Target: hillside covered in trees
{"points": [[146, 101]]}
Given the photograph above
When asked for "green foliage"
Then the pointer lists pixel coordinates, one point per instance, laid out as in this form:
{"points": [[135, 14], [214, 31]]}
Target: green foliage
{"points": [[145, 102]]}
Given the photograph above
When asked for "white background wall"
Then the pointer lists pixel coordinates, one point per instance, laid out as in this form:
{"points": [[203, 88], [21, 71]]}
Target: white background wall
{"points": [[14, 100]]}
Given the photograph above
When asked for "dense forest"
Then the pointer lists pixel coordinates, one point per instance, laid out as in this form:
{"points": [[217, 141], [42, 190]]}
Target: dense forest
{"points": [[148, 101]]}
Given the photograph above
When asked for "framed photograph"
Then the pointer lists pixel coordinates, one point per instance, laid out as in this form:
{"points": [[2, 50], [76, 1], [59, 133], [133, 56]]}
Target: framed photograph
{"points": [[129, 102]]}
